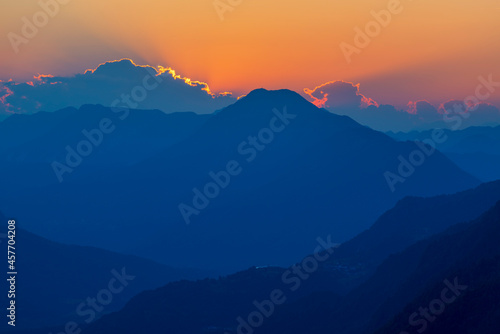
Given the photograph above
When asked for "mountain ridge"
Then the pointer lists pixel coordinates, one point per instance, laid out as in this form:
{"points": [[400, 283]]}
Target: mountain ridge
{"points": [[321, 173]]}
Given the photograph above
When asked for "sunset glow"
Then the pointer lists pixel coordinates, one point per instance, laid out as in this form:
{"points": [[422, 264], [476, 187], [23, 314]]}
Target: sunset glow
{"points": [[259, 166], [420, 54]]}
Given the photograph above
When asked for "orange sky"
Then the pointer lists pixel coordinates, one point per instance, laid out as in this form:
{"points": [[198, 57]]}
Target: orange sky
{"points": [[432, 50]]}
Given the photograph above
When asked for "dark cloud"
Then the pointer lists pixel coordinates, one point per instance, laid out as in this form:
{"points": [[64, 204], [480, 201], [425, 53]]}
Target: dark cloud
{"points": [[144, 86], [339, 95], [345, 98], [424, 111], [453, 107]]}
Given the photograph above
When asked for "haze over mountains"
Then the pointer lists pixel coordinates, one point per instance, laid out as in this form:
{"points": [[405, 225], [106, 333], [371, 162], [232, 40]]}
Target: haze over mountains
{"points": [[123, 82], [474, 149], [29, 144], [319, 174], [57, 279], [258, 191], [249, 167], [461, 260]]}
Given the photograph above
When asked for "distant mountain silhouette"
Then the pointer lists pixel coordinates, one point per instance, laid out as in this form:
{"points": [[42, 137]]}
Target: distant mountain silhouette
{"points": [[410, 249], [317, 174], [29, 144], [474, 149], [411, 220], [196, 307], [54, 279], [465, 254], [476, 311], [471, 253], [471, 140]]}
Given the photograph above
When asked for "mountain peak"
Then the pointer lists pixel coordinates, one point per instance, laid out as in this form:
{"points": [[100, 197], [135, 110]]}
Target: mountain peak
{"points": [[262, 101], [284, 94]]}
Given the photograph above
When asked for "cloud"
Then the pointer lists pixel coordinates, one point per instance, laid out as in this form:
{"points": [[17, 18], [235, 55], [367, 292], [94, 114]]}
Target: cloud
{"points": [[452, 106], [122, 80], [384, 118], [421, 107], [339, 95], [475, 114], [424, 111], [5, 93], [345, 98]]}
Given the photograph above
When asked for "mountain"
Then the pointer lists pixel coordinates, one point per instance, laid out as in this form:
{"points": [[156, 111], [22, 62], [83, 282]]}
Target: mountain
{"points": [[55, 279], [206, 306], [476, 311], [31, 144], [470, 253], [412, 219], [372, 267], [262, 178], [482, 165], [463, 258], [470, 140], [474, 149]]}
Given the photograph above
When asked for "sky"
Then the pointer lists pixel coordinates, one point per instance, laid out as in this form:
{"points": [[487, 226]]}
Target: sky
{"points": [[424, 50]]}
